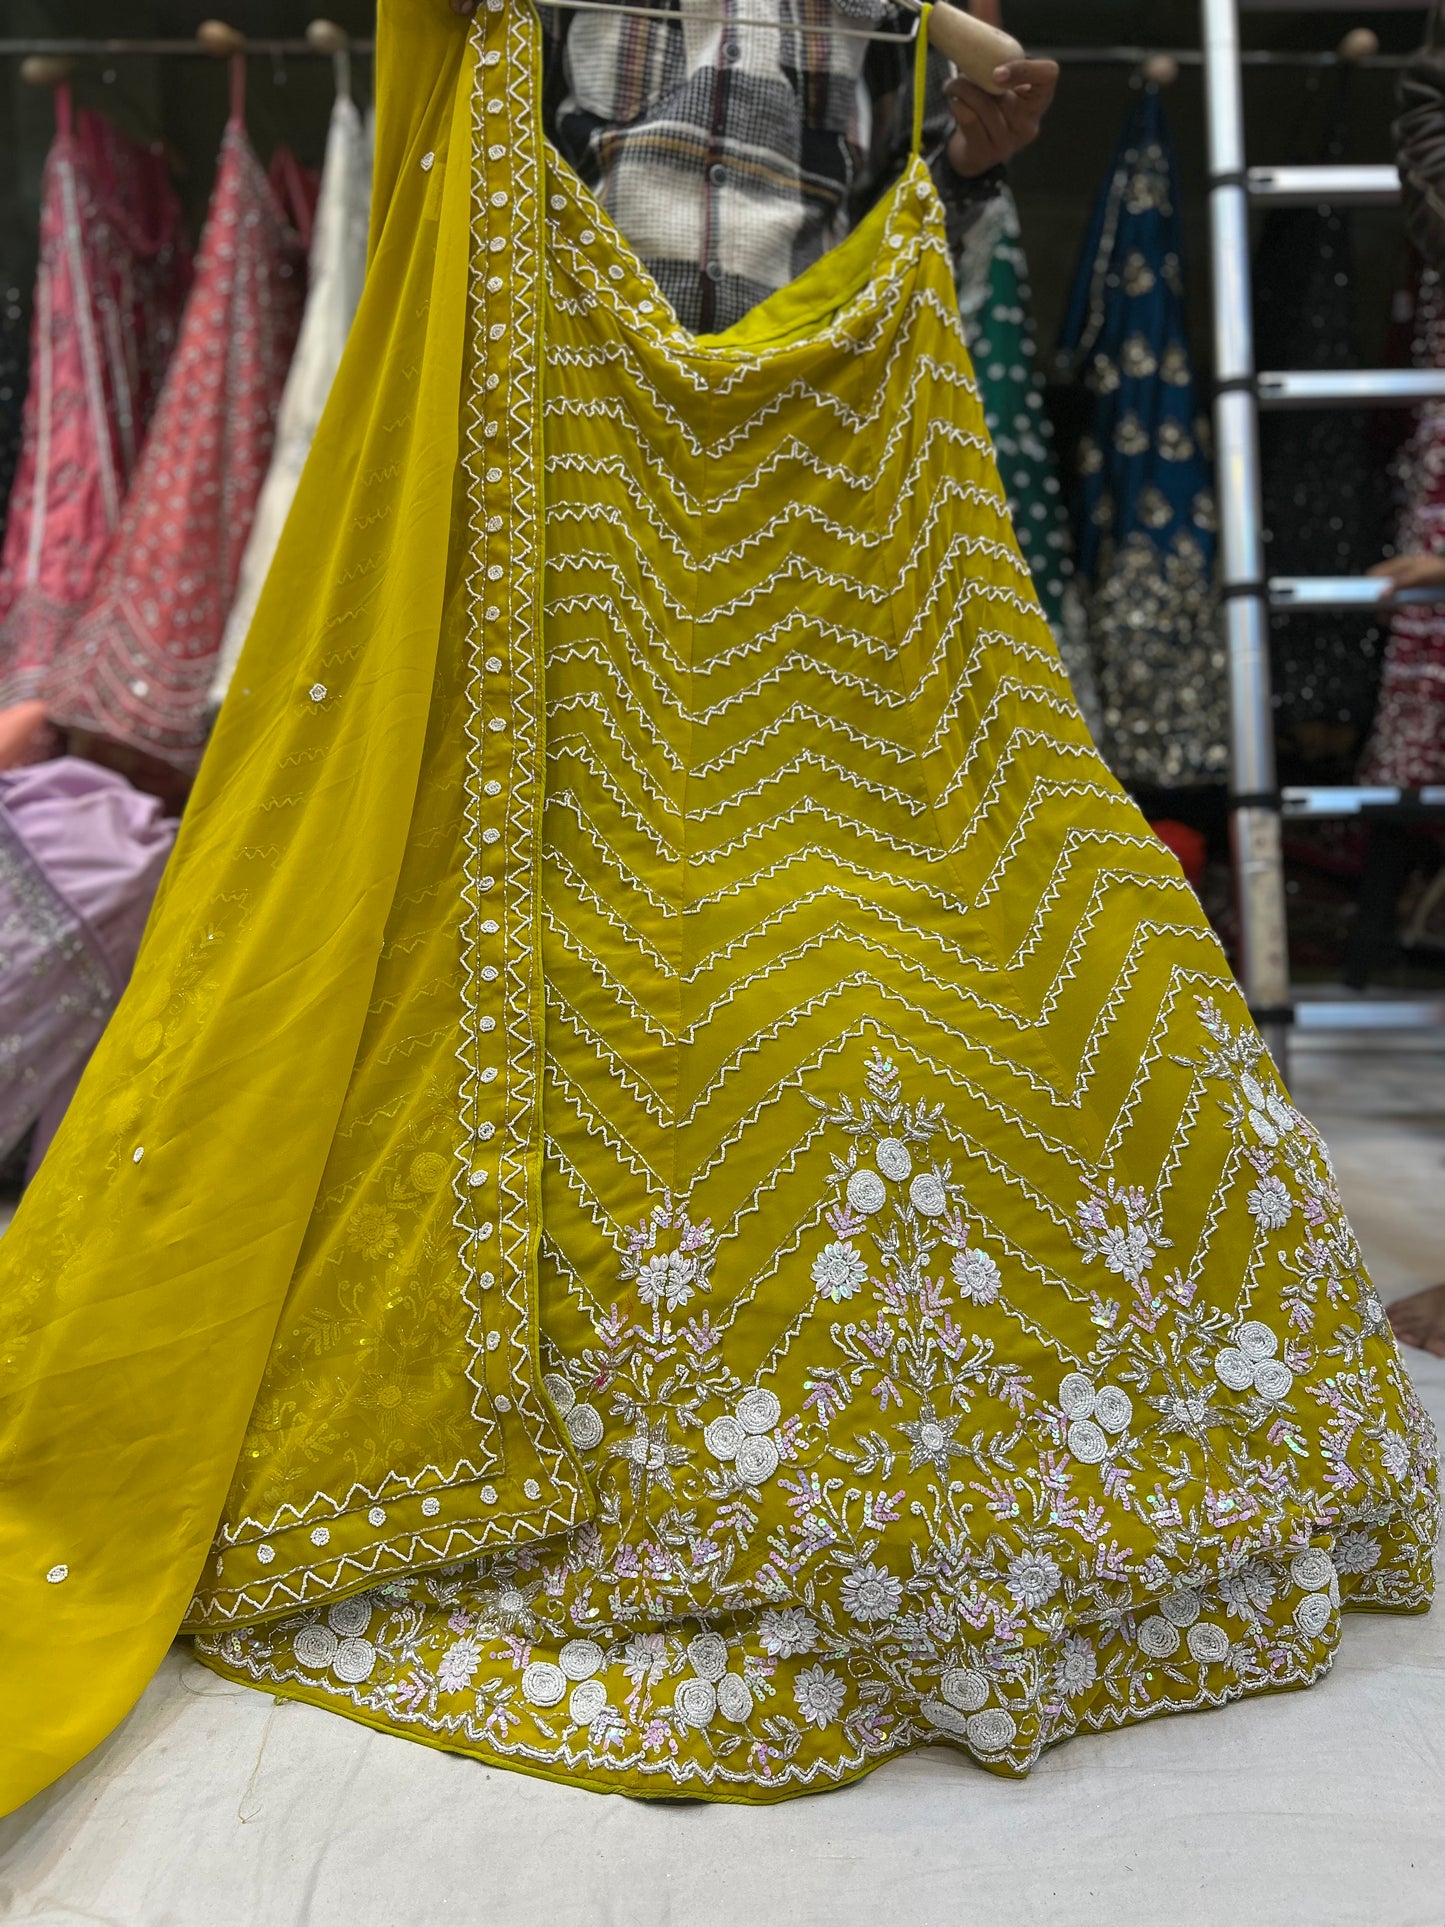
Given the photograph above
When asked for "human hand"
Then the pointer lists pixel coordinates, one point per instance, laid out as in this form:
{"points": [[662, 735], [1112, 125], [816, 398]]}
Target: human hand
{"points": [[992, 127], [1412, 571]]}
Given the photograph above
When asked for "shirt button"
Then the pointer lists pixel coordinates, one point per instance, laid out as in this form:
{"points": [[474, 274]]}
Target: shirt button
{"points": [[732, 53], [713, 271], [717, 173]]}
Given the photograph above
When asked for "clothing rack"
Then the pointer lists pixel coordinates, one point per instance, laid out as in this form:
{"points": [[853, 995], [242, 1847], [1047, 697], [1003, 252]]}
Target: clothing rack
{"points": [[1071, 56], [165, 49]]}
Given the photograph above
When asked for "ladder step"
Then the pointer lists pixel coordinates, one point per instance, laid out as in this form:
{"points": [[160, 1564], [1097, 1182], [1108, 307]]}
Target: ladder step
{"points": [[1325, 186], [1349, 387], [1334, 801], [1343, 592], [1342, 1012]]}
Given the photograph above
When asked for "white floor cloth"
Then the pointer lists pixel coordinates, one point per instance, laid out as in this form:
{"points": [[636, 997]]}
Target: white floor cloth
{"points": [[214, 1806]]}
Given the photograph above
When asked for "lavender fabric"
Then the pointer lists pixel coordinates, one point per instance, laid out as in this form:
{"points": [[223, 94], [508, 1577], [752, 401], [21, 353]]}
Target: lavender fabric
{"points": [[81, 853]]}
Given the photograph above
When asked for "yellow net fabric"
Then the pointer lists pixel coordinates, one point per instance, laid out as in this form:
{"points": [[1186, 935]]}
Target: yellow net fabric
{"points": [[682, 1197]]}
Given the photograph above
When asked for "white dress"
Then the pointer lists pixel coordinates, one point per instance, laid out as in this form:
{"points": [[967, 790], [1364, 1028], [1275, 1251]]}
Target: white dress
{"points": [[336, 270]]}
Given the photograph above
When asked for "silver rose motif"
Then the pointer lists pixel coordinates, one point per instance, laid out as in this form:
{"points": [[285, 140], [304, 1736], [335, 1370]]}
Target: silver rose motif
{"points": [[543, 1683], [580, 1658], [1077, 1395], [893, 1158], [1234, 1368], [1087, 1441], [964, 1687], [759, 1410], [867, 1192]]}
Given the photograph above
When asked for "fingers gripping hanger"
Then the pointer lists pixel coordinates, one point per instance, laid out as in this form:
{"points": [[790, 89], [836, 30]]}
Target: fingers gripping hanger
{"points": [[974, 47]]}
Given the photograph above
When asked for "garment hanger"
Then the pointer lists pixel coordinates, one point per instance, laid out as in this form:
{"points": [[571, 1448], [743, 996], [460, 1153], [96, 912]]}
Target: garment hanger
{"points": [[974, 47], [328, 38]]}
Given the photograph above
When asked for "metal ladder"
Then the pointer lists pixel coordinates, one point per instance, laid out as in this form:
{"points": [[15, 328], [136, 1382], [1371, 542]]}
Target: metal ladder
{"points": [[1256, 803]]}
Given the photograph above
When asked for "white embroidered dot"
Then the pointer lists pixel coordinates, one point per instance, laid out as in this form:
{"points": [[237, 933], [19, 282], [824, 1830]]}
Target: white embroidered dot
{"points": [[486, 883], [495, 6], [483, 1232], [317, 692], [497, 724], [502, 1403], [489, 1075], [493, 1340], [491, 836], [427, 162], [559, 201], [499, 199], [495, 572], [491, 612], [532, 1489], [475, 1178], [489, 433], [488, 1495], [495, 246], [377, 1515], [137, 1154], [489, 973], [493, 665], [264, 1555], [431, 1507], [494, 523], [494, 107], [56, 1574], [320, 1536], [496, 331], [487, 1279], [491, 59], [495, 284], [587, 237], [492, 788], [496, 153], [494, 475], [644, 307], [487, 1023], [615, 272]]}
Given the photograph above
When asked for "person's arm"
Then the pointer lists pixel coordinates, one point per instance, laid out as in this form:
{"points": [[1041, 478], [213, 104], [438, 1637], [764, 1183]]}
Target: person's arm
{"points": [[1420, 141], [969, 135]]}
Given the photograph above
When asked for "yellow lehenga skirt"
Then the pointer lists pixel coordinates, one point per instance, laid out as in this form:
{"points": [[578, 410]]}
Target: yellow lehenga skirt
{"points": [[682, 1197]]}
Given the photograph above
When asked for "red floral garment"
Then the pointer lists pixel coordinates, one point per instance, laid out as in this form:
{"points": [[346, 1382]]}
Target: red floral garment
{"points": [[114, 269], [1407, 743], [136, 667]]}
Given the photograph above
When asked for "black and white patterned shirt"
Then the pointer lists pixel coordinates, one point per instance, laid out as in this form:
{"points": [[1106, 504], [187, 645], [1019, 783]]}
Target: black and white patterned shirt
{"points": [[732, 155]]}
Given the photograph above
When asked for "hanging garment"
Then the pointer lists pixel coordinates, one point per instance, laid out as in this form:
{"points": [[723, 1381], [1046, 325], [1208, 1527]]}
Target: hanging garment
{"points": [[1145, 523], [1326, 491], [81, 853], [14, 331], [113, 274], [681, 1197], [138, 664], [1407, 743], [994, 299], [333, 286]]}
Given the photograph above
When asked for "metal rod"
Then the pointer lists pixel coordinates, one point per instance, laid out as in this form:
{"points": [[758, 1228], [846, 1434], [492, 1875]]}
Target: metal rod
{"points": [[1076, 56], [1258, 857], [1349, 387], [1073, 56], [168, 49]]}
